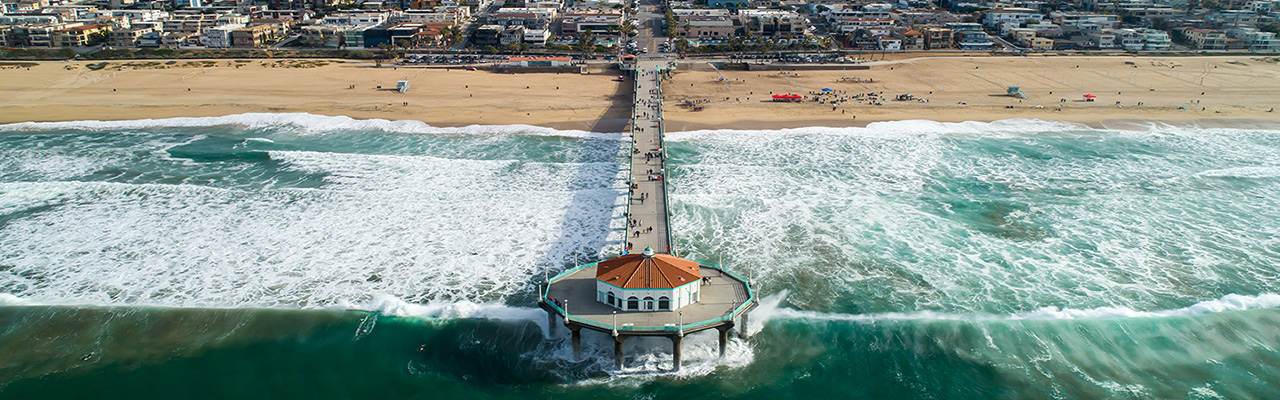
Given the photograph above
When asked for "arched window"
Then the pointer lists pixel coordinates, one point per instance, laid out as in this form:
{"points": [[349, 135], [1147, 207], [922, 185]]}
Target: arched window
{"points": [[648, 303], [664, 303], [633, 303], [613, 301]]}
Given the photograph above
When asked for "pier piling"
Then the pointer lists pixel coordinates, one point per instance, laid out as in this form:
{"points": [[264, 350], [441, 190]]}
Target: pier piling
{"points": [[675, 352], [617, 350], [577, 341]]}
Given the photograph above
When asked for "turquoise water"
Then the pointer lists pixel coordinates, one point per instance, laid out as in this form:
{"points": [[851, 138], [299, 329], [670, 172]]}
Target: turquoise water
{"points": [[268, 256]]}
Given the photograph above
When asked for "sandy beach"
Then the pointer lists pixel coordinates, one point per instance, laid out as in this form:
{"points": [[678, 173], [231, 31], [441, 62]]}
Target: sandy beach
{"points": [[56, 91], [974, 89], [956, 89]]}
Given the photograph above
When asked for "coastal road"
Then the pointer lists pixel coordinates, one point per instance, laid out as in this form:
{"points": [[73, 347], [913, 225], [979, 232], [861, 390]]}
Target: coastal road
{"points": [[650, 34], [647, 221]]}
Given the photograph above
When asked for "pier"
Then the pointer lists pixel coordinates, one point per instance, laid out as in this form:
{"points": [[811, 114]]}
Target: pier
{"points": [[572, 297]]}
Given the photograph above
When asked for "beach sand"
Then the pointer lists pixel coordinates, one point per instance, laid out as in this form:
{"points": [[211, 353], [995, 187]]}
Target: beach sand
{"points": [[1239, 88], [1233, 88], [52, 92]]}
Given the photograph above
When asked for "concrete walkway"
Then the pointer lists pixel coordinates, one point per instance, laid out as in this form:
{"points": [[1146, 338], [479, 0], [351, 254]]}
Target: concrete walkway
{"points": [[647, 221]]}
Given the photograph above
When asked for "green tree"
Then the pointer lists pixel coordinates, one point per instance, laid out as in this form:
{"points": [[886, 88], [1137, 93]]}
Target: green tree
{"points": [[587, 43]]}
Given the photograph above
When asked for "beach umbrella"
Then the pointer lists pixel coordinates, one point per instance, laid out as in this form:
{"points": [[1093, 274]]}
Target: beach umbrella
{"points": [[827, 90]]}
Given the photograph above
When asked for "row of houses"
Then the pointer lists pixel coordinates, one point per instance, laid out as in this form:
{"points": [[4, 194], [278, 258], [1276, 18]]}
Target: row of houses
{"points": [[371, 29], [885, 27], [724, 23], [80, 26]]}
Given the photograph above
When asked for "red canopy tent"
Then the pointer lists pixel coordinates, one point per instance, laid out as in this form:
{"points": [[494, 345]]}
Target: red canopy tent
{"points": [[787, 97], [1089, 97]]}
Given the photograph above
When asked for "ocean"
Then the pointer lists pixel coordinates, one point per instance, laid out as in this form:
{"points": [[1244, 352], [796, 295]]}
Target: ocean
{"points": [[303, 256]]}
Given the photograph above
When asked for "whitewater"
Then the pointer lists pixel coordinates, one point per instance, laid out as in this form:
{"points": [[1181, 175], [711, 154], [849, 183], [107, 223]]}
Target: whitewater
{"points": [[1014, 233]]}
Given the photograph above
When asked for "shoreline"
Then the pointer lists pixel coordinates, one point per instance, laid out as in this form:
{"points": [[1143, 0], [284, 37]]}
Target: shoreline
{"points": [[1128, 124], [1168, 90]]}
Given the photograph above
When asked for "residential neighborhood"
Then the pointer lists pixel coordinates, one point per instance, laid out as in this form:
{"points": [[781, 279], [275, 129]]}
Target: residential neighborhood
{"points": [[609, 28]]}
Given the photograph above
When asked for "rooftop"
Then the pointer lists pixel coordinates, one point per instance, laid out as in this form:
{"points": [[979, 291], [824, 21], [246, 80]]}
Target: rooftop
{"points": [[647, 271]]}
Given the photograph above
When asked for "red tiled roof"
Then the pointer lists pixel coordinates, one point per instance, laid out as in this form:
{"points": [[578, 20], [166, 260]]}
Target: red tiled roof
{"points": [[636, 271]]}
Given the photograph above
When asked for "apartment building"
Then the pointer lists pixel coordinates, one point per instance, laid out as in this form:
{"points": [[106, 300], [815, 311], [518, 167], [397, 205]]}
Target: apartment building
{"points": [[259, 33], [996, 17], [1205, 39], [772, 22], [576, 22], [79, 36], [937, 38], [1154, 40]]}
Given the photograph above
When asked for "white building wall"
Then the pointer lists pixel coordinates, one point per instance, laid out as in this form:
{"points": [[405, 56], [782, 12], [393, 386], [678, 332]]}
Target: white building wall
{"points": [[682, 296]]}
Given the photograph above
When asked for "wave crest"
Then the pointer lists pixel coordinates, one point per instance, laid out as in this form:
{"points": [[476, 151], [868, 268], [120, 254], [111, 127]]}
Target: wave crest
{"points": [[303, 123]]}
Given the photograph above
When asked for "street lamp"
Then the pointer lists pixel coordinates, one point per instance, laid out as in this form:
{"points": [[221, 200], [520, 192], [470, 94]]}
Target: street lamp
{"points": [[615, 324], [680, 324]]}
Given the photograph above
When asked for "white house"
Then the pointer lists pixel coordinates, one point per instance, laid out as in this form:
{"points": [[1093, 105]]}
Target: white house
{"points": [[218, 36], [999, 16], [648, 282]]}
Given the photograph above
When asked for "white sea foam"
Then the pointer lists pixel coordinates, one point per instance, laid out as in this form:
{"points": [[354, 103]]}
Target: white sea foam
{"points": [[301, 123], [770, 310], [390, 305], [894, 129], [983, 217], [184, 245], [435, 174]]}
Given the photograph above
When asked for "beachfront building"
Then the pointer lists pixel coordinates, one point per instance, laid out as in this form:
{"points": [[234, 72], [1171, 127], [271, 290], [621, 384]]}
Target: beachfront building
{"points": [[259, 33], [1038, 43], [1046, 30], [911, 39], [973, 40], [80, 36], [536, 18], [1101, 40], [703, 24], [488, 35], [1205, 39], [767, 22], [129, 37], [1081, 23], [648, 282], [1017, 16], [218, 37], [1127, 39], [936, 37], [848, 24], [706, 29], [1155, 40], [577, 22], [888, 43], [1259, 41]]}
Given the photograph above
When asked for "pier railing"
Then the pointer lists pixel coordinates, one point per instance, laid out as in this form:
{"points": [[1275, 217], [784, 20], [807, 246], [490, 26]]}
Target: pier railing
{"points": [[750, 300]]}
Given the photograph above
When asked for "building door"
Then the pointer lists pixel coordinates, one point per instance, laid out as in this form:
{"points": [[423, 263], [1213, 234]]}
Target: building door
{"points": [[648, 304]]}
